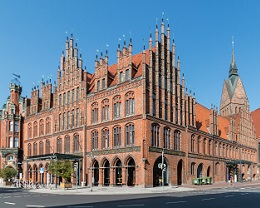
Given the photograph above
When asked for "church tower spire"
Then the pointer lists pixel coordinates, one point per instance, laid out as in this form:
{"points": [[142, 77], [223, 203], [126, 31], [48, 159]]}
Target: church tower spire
{"points": [[233, 67]]}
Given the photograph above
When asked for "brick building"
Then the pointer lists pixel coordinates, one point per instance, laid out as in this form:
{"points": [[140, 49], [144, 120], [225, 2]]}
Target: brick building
{"points": [[121, 123]]}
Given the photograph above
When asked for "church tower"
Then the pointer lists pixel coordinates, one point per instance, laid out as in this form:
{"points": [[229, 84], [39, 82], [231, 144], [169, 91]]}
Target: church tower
{"points": [[233, 93]]}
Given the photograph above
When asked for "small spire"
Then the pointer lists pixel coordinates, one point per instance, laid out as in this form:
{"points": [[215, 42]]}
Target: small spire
{"points": [[162, 16], [168, 25], [233, 66], [156, 23]]}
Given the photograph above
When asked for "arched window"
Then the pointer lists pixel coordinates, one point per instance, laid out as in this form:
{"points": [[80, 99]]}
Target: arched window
{"points": [[192, 143], [41, 127], [105, 110], [204, 146], [77, 94], [60, 122], [105, 138], [129, 103], [117, 136], [75, 143], [94, 112], [40, 148], [117, 107], [155, 135], [59, 145], [68, 120], [77, 117], [167, 136], [47, 147], [67, 144], [72, 96], [35, 149], [48, 125], [29, 149], [217, 169], [94, 140], [64, 121], [60, 100], [35, 128], [72, 118], [177, 138], [130, 134], [29, 131], [198, 145], [64, 98]]}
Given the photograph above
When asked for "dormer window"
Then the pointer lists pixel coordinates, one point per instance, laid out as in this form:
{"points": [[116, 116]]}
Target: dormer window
{"points": [[98, 85], [127, 75], [121, 77]]}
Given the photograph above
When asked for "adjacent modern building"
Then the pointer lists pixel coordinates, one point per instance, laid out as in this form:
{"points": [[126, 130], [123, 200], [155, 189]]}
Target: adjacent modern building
{"points": [[131, 123]]}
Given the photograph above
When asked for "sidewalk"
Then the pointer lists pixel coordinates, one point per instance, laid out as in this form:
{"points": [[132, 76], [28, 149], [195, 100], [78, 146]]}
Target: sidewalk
{"points": [[138, 190]]}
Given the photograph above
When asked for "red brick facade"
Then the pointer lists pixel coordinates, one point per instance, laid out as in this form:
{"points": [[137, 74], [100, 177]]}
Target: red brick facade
{"points": [[119, 121]]}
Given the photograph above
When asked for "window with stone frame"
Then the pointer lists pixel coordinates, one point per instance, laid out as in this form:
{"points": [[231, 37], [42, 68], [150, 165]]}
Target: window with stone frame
{"points": [[35, 129], [117, 111], [77, 117], [121, 77], [29, 130], [167, 137], [72, 96], [67, 144], [105, 110], [41, 128], [68, 120], [94, 135], [72, 118], [59, 145], [35, 152], [117, 136], [48, 125], [29, 149], [41, 148], [177, 142], [75, 143], [130, 134], [129, 103], [105, 138], [64, 121], [94, 112], [155, 135], [47, 147]]}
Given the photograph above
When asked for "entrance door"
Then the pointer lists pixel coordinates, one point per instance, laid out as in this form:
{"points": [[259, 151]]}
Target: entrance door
{"points": [[157, 173], [131, 173], [199, 171], [179, 173], [106, 174]]}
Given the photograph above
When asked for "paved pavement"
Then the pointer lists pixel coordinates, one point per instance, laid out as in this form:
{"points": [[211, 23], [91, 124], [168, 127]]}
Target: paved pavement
{"points": [[139, 190]]}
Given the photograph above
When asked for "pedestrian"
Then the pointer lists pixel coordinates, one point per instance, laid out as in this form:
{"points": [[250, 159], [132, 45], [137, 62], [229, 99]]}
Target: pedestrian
{"points": [[231, 180]]}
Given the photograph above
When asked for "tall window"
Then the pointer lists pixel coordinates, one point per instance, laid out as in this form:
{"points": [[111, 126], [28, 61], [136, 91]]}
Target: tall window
{"points": [[41, 127], [60, 122], [11, 142], [64, 121], [121, 77], [60, 100], [166, 109], [130, 134], [117, 107], [177, 140], [29, 147], [94, 112], [117, 136], [77, 94], [48, 125], [192, 169], [40, 148], [72, 96], [105, 110], [11, 128], [98, 85], [47, 147], [67, 144], [59, 145], [204, 145], [129, 104], [35, 149], [16, 142], [103, 83], [154, 104], [198, 144], [77, 117], [75, 143], [127, 74], [68, 96], [29, 131], [105, 138], [166, 143], [68, 120], [72, 118], [16, 126], [64, 98], [94, 140], [155, 135], [35, 127], [192, 143]]}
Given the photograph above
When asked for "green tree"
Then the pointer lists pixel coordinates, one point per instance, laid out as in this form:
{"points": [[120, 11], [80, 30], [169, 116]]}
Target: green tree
{"points": [[8, 173], [62, 169]]}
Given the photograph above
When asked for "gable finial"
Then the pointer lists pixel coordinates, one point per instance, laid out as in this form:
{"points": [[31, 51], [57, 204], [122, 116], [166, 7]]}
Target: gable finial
{"points": [[162, 16]]}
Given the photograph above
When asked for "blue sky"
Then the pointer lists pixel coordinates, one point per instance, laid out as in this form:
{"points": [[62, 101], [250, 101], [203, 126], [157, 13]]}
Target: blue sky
{"points": [[33, 35]]}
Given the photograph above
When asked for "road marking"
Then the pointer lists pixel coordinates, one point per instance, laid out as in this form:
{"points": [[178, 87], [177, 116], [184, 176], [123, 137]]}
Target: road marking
{"points": [[175, 202], [131, 205], [9, 203], [244, 194], [34, 205], [80, 206], [229, 196], [207, 199], [5, 197], [17, 196]]}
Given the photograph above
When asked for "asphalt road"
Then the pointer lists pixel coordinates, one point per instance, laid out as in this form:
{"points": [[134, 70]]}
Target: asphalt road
{"points": [[224, 198]]}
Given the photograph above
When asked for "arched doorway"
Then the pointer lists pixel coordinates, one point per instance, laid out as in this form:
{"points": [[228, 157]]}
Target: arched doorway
{"points": [[96, 173], [179, 173], [157, 172], [199, 171], [106, 173], [118, 172], [208, 172], [131, 172], [35, 174]]}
